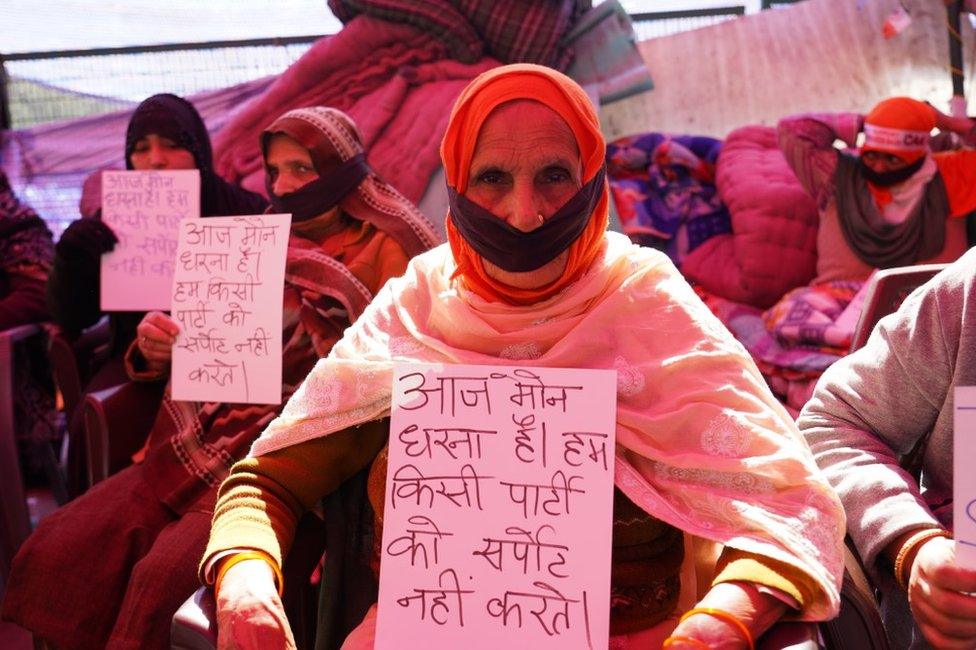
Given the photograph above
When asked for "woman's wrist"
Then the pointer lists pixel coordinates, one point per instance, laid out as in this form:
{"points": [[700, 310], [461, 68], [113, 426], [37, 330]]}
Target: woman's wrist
{"points": [[909, 551], [757, 611]]}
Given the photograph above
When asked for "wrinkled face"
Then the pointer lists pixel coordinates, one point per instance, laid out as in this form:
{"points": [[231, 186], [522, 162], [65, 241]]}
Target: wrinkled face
{"points": [[526, 165], [157, 152], [288, 164], [881, 162]]}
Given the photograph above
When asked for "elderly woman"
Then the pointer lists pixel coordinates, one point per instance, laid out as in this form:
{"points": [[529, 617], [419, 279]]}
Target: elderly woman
{"points": [[111, 568], [705, 456]]}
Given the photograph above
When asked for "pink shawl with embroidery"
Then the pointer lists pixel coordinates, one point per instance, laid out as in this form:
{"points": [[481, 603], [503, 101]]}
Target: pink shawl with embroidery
{"points": [[701, 442]]}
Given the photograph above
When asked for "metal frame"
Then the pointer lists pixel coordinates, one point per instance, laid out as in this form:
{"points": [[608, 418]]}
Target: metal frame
{"points": [[5, 117], [733, 10]]}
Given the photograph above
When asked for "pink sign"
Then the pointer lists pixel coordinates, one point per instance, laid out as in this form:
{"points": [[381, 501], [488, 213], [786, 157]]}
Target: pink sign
{"points": [[499, 508], [143, 209], [227, 300], [964, 479]]}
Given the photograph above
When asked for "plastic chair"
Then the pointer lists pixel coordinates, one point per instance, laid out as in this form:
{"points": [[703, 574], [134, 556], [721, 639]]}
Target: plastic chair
{"points": [[117, 421], [195, 623], [887, 289], [14, 515], [75, 358]]}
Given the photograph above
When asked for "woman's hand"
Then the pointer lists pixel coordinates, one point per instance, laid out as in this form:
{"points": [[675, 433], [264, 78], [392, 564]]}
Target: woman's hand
{"points": [[86, 238], [939, 592], [249, 611], [155, 336], [756, 610]]}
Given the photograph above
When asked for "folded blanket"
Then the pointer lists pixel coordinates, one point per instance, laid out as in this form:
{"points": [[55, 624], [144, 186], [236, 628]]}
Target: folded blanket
{"points": [[819, 317], [797, 339], [772, 248], [664, 191], [397, 83], [512, 31]]}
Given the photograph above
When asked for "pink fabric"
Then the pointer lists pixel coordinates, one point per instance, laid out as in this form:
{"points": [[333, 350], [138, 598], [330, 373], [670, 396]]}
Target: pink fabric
{"points": [[701, 442], [394, 81], [772, 248]]}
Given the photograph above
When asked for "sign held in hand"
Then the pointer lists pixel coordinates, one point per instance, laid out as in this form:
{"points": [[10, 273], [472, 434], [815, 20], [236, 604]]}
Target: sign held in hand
{"points": [[499, 501], [964, 479], [143, 209], [227, 300]]}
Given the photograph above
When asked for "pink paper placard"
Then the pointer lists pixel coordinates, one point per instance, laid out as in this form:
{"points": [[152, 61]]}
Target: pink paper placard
{"points": [[143, 209], [964, 478], [499, 508], [227, 300]]}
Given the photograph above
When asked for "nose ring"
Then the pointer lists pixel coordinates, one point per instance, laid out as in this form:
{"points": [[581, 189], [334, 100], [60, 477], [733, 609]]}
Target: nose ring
{"points": [[541, 218]]}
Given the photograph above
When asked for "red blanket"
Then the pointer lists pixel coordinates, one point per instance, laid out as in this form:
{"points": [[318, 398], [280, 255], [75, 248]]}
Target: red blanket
{"points": [[395, 81]]}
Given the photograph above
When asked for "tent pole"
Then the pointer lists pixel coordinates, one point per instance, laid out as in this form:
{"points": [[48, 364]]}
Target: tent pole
{"points": [[958, 102]]}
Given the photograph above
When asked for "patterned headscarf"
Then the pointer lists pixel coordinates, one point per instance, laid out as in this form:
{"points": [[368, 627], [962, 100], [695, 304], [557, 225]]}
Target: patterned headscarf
{"points": [[326, 131], [25, 240]]}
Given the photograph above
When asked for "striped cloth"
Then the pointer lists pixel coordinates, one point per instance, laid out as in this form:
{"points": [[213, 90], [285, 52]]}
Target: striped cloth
{"points": [[512, 31]]}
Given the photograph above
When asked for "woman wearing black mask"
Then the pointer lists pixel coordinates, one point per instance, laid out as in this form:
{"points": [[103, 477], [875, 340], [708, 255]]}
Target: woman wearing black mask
{"points": [[165, 132], [137, 536]]}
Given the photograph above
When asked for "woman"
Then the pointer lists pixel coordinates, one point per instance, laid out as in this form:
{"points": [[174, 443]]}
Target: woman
{"points": [[165, 132], [705, 453], [148, 524], [26, 250]]}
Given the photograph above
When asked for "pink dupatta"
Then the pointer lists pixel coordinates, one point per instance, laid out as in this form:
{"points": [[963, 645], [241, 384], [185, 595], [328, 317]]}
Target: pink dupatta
{"points": [[702, 444]]}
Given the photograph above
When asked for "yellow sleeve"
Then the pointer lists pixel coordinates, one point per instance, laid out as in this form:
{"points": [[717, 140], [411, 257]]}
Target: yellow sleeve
{"points": [[958, 170], [260, 502], [736, 565]]}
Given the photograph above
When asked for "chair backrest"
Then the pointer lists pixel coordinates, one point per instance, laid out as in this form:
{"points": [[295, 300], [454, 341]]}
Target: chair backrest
{"points": [[886, 291], [859, 625], [74, 359], [117, 422], [14, 515]]}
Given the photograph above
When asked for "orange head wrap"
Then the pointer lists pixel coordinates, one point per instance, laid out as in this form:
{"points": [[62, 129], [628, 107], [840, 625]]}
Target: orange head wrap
{"points": [[487, 92], [899, 126]]}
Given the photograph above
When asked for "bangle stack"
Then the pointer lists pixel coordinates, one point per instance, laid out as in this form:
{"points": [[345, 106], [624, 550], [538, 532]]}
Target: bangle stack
{"points": [[237, 558], [911, 544], [720, 614]]}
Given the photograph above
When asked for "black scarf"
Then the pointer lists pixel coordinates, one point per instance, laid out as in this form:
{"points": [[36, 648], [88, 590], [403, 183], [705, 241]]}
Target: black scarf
{"points": [[513, 250], [881, 244], [176, 119], [322, 194], [889, 178]]}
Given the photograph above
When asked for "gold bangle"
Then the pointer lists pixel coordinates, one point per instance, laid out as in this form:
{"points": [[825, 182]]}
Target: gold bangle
{"points": [[910, 545], [724, 616], [237, 558], [668, 642]]}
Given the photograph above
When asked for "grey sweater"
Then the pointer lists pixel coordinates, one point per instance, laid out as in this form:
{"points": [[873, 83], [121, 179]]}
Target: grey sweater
{"points": [[875, 404]]}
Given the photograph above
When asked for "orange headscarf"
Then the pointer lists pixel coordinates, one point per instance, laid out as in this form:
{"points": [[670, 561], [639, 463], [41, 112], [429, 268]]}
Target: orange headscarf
{"points": [[487, 92]]}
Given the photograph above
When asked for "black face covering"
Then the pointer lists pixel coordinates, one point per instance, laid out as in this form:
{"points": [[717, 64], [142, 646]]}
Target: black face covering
{"points": [[513, 250], [887, 179], [322, 194]]}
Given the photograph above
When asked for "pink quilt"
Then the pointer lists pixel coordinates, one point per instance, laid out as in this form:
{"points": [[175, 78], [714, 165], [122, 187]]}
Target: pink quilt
{"points": [[395, 81], [772, 248]]}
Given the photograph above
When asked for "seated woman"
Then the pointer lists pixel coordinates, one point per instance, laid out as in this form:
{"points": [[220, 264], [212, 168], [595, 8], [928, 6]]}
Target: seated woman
{"points": [[165, 132], [26, 250], [891, 397], [111, 568], [705, 456]]}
